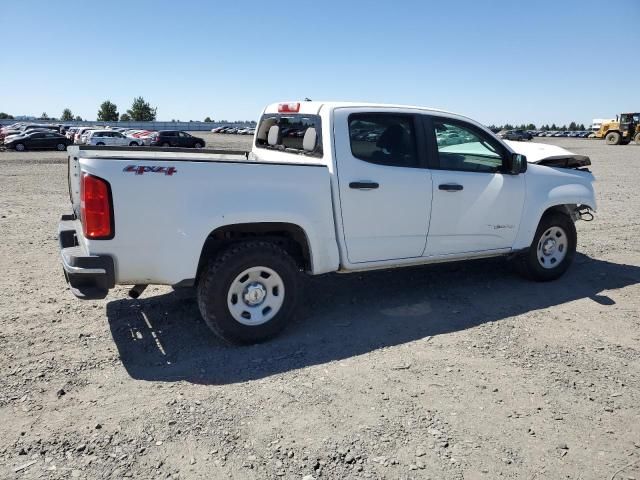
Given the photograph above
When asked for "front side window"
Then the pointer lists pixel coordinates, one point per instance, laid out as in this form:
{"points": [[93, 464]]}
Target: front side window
{"points": [[465, 148], [292, 133], [383, 138]]}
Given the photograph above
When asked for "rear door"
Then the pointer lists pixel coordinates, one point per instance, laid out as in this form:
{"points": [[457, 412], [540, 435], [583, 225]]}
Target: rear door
{"points": [[185, 140], [36, 140], [476, 207], [385, 189]]}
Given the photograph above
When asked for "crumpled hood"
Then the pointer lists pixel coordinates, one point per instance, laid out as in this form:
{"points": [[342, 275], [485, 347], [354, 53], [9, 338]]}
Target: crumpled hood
{"points": [[550, 155]]}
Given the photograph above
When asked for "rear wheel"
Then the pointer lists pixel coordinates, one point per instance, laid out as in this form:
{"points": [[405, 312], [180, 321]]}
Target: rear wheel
{"points": [[20, 147], [166, 144], [100, 144], [61, 147], [133, 144], [613, 138], [552, 249], [249, 293]]}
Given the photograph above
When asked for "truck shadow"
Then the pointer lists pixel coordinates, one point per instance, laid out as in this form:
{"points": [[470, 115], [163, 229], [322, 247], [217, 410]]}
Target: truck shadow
{"points": [[162, 338]]}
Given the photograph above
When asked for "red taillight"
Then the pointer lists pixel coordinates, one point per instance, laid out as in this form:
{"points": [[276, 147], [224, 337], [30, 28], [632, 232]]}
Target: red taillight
{"points": [[289, 107], [95, 208]]}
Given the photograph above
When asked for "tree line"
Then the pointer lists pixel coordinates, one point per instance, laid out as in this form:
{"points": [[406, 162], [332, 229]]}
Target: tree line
{"points": [[140, 111], [573, 126]]}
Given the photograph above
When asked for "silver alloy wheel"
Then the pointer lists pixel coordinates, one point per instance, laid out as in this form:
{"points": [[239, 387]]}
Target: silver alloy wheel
{"points": [[20, 147], [552, 247], [61, 147], [255, 296]]}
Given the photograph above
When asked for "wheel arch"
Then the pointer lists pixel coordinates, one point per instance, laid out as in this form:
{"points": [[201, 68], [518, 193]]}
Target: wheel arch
{"points": [[579, 195], [289, 236]]}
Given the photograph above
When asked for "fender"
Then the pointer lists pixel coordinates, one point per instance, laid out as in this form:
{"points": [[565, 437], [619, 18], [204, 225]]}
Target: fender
{"points": [[562, 195]]}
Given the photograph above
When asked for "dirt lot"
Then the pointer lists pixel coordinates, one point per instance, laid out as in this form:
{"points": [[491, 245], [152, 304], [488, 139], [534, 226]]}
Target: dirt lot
{"points": [[461, 371]]}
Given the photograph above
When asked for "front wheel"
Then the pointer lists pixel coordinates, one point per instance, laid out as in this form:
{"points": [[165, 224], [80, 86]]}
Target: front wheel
{"points": [[197, 145], [637, 138], [100, 144], [613, 138], [20, 147], [552, 250], [61, 147], [249, 292], [133, 144]]}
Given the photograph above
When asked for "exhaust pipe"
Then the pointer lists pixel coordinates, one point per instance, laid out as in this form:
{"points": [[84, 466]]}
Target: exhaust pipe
{"points": [[137, 290]]}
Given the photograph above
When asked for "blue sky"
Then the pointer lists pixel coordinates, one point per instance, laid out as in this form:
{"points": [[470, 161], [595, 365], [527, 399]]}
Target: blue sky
{"points": [[496, 61]]}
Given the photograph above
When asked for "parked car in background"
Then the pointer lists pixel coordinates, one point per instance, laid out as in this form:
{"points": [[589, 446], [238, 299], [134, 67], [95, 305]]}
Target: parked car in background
{"points": [[39, 140], [518, 135], [218, 129], [79, 132], [70, 133], [14, 134], [176, 138], [110, 137]]}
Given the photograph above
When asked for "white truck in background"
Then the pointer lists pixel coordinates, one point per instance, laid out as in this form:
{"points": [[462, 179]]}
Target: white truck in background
{"points": [[327, 187]]}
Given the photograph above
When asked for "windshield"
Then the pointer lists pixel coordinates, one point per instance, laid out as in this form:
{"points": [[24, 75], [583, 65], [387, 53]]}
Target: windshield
{"points": [[292, 133]]}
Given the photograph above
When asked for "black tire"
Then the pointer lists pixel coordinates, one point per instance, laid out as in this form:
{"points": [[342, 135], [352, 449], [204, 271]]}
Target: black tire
{"points": [[218, 276], [613, 138], [197, 145], [530, 266], [637, 138], [61, 147], [100, 144], [19, 147], [166, 144], [134, 144]]}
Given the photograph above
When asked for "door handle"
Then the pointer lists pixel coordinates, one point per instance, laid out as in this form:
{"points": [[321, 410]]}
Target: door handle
{"points": [[450, 187], [363, 185]]}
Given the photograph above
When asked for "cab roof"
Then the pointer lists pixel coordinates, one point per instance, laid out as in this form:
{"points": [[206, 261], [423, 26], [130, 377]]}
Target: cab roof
{"points": [[314, 107]]}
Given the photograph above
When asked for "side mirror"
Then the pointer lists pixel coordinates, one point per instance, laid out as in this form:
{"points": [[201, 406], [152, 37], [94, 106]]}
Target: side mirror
{"points": [[516, 164]]}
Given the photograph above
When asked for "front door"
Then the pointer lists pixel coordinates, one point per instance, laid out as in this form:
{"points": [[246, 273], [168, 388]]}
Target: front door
{"points": [[385, 191], [476, 207]]}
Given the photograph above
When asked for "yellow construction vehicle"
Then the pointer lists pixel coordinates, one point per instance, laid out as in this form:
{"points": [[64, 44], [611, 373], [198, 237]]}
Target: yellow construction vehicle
{"points": [[622, 131]]}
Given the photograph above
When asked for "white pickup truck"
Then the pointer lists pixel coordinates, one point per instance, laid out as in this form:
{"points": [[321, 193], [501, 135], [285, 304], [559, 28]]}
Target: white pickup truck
{"points": [[327, 187]]}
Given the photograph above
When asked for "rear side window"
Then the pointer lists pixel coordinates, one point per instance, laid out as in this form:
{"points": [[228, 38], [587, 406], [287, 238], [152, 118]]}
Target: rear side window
{"points": [[294, 133], [383, 138]]}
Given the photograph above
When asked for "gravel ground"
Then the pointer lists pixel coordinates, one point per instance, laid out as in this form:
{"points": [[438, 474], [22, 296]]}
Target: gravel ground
{"points": [[460, 371]]}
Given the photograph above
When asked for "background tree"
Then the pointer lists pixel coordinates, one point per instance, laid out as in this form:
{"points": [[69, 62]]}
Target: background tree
{"points": [[108, 112], [66, 116], [573, 126], [141, 111], [44, 116], [208, 120], [531, 126], [125, 117], [78, 118], [5, 116]]}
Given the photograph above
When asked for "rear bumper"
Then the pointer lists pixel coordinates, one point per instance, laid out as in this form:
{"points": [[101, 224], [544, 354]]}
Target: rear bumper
{"points": [[89, 276]]}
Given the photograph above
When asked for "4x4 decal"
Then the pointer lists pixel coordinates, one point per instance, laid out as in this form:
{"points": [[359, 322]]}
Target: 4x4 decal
{"points": [[141, 169]]}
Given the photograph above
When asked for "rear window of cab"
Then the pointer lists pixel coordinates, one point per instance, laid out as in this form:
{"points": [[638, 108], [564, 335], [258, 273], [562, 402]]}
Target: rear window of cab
{"points": [[290, 133]]}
